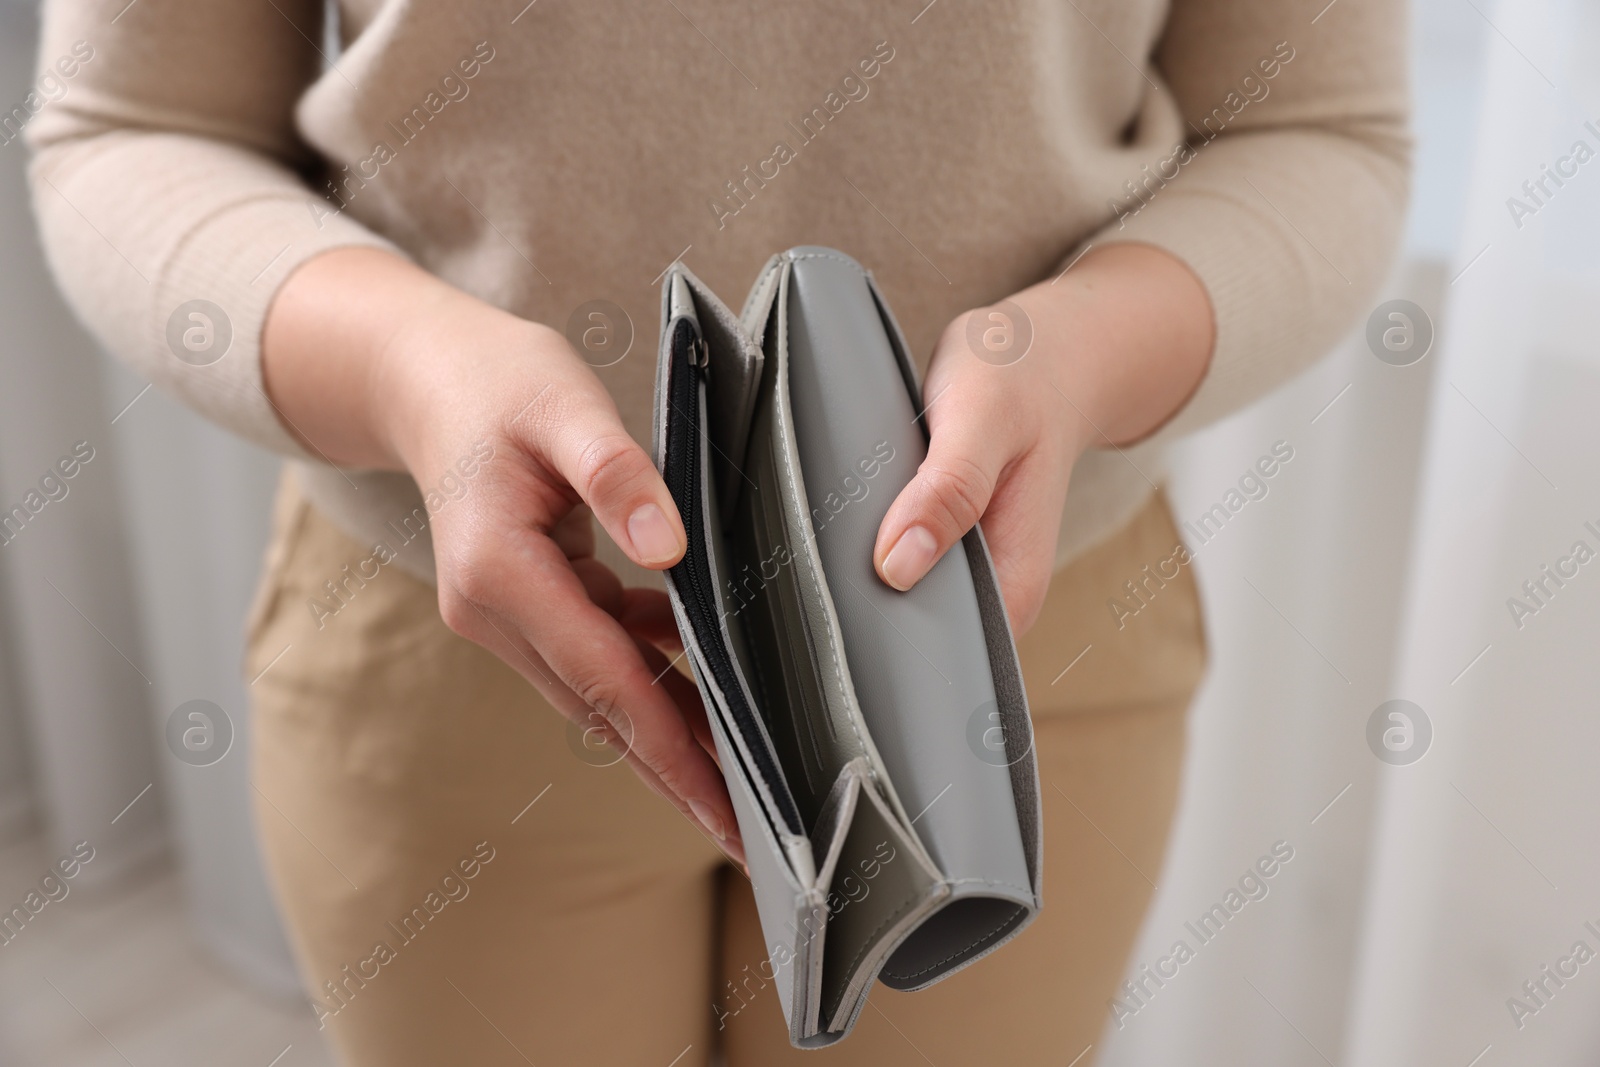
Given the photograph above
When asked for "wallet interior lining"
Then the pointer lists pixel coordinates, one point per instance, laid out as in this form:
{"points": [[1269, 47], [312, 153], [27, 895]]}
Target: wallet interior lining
{"points": [[683, 470], [797, 718]]}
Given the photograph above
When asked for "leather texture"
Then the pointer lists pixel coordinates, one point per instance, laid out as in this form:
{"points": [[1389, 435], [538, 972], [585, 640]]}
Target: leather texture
{"points": [[876, 744]]}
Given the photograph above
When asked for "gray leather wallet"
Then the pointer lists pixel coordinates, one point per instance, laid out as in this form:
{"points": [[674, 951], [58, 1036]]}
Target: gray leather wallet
{"points": [[876, 744]]}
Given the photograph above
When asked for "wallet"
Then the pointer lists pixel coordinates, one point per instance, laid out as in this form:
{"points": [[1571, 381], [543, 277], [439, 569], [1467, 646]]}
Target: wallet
{"points": [[876, 743]]}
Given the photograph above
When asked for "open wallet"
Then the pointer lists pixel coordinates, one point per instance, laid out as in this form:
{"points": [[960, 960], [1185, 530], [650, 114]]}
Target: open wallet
{"points": [[876, 743]]}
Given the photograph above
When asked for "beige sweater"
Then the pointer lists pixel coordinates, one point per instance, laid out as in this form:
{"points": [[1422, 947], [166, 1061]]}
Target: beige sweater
{"points": [[547, 155]]}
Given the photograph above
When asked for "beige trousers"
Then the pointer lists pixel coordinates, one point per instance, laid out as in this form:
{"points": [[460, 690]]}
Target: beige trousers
{"points": [[462, 888]]}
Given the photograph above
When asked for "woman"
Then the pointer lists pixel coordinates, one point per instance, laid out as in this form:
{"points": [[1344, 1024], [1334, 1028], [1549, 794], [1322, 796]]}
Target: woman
{"points": [[378, 246]]}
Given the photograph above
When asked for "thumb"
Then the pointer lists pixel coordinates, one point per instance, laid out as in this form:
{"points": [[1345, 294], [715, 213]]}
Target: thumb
{"points": [[588, 446], [950, 492]]}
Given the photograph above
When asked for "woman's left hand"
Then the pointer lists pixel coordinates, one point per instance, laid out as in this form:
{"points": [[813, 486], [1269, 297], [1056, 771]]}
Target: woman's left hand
{"points": [[1016, 392]]}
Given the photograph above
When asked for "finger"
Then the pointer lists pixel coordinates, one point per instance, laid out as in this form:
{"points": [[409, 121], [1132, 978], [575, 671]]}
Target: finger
{"points": [[1022, 526], [528, 582], [575, 533], [576, 430], [685, 694], [948, 495], [732, 847], [499, 638], [648, 614], [601, 584]]}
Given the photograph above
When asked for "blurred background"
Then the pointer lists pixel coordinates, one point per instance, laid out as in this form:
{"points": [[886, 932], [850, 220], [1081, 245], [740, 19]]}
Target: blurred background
{"points": [[1437, 867]]}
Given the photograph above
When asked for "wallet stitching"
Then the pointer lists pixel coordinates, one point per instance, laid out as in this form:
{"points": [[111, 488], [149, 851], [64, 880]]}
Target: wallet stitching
{"points": [[872, 938], [992, 883], [968, 950], [809, 547], [750, 297], [859, 269], [935, 966], [838, 656]]}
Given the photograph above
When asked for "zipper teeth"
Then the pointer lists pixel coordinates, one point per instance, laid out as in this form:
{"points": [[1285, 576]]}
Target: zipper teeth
{"points": [[693, 571]]}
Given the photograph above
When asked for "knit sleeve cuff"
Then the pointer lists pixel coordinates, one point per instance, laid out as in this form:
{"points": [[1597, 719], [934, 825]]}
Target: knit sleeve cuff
{"points": [[171, 250], [1286, 276], [229, 269]]}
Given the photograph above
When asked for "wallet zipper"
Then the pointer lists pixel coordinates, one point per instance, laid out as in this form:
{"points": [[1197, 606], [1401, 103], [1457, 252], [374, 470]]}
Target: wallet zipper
{"points": [[692, 574]]}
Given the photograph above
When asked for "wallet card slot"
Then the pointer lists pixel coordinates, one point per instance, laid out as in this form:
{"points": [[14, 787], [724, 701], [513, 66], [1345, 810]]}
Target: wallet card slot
{"points": [[790, 690], [804, 693]]}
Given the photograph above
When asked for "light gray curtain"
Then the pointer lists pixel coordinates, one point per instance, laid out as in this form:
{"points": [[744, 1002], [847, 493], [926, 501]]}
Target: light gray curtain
{"points": [[121, 600], [1426, 895], [1301, 589], [1484, 872]]}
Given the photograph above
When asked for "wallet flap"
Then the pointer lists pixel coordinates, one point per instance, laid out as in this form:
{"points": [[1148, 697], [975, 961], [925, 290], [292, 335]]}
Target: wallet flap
{"points": [[921, 667], [1011, 708]]}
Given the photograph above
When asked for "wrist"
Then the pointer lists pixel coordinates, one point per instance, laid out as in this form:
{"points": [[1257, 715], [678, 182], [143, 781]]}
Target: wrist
{"points": [[1126, 336], [327, 347], [438, 370], [409, 393], [1072, 344]]}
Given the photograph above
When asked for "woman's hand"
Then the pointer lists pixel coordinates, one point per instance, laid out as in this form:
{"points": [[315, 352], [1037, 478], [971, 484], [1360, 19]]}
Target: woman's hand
{"points": [[1118, 343], [378, 364]]}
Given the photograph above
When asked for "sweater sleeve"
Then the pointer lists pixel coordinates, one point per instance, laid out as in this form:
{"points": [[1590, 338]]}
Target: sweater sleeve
{"points": [[167, 172], [1286, 195]]}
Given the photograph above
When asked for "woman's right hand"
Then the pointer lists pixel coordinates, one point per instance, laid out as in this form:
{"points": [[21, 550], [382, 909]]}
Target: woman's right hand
{"points": [[376, 363]]}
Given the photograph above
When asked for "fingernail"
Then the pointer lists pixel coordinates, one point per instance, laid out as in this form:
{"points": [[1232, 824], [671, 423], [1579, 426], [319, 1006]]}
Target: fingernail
{"points": [[709, 819], [910, 558], [654, 539]]}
